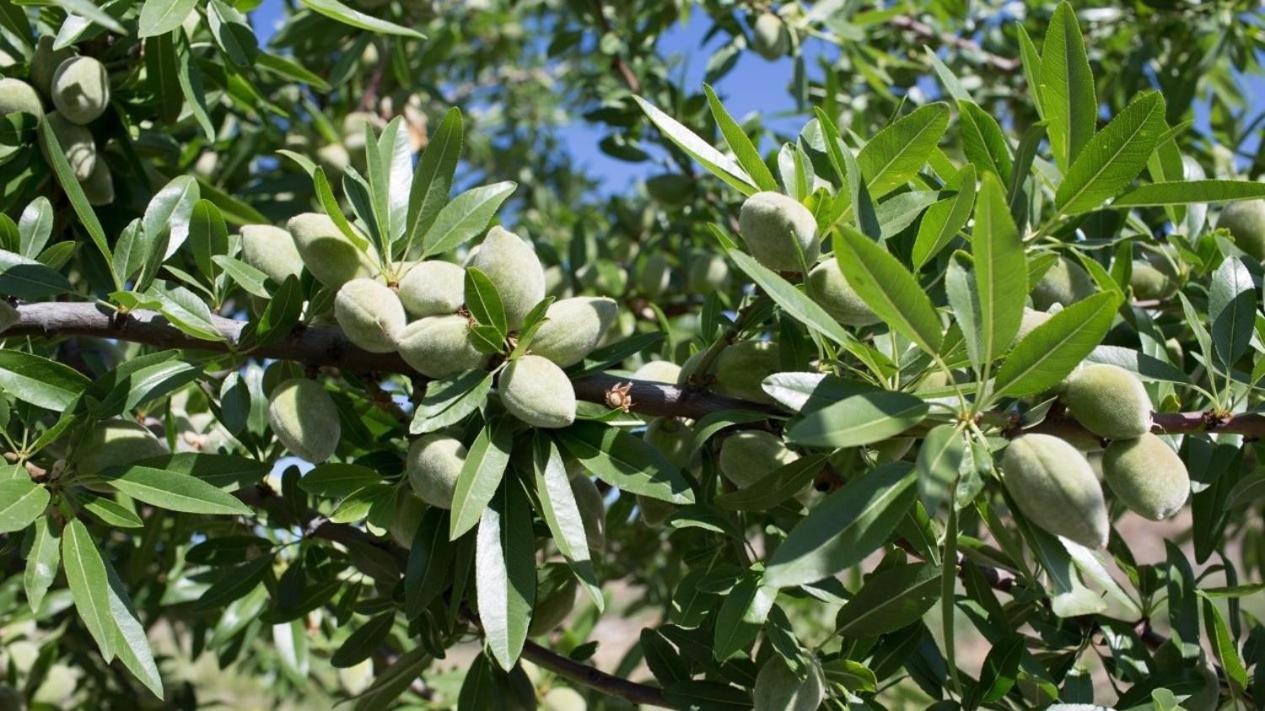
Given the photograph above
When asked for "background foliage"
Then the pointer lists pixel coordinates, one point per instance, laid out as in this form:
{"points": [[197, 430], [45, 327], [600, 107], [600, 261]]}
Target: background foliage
{"points": [[909, 576]]}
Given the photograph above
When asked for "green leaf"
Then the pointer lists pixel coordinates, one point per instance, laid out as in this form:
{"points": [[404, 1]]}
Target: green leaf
{"points": [[792, 300], [159, 17], [1067, 87], [1189, 192], [1231, 311], [337, 480], [89, 11], [465, 216], [775, 487], [162, 66], [742, 613], [169, 213], [189, 76], [626, 461], [1044, 357], [844, 528], [42, 561], [28, 279], [860, 419], [890, 599], [484, 302], [743, 149], [176, 492], [186, 312], [940, 460], [111, 513], [428, 570], [131, 644], [389, 683], [35, 226], [561, 513], [89, 586], [945, 219], [1001, 272], [22, 501], [480, 476], [289, 69], [78, 201], [336, 10], [896, 154], [208, 236], [716, 163], [983, 141], [250, 279], [232, 32], [887, 288], [448, 402], [1114, 157], [505, 573], [363, 642], [39, 381], [1223, 644], [432, 180]]}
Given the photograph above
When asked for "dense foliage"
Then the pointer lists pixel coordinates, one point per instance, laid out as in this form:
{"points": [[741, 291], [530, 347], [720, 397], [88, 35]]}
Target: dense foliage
{"points": [[329, 374]]}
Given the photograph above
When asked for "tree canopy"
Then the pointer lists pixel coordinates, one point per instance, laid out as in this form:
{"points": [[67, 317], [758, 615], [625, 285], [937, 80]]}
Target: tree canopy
{"points": [[335, 371]]}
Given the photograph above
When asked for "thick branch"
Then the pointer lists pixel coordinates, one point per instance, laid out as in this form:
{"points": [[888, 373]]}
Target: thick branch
{"points": [[594, 679], [924, 31], [328, 347]]}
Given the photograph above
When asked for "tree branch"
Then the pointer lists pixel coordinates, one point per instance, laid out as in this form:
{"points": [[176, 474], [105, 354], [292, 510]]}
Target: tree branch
{"points": [[924, 31], [328, 347]]}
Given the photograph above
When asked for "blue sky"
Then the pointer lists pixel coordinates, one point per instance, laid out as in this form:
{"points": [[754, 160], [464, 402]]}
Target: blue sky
{"points": [[755, 84]]}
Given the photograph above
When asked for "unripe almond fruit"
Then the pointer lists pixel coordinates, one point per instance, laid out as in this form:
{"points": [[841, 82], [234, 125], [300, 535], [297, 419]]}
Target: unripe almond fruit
{"points": [[433, 464], [511, 264], [1146, 475], [45, 62], [658, 371], [654, 275], [1109, 401], [1246, 222], [1029, 322], [741, 367], [331, 257], [772, 224], [573, 328], [778, 688], [1065, 283], [305, 419], [271, 250], [536, 391], [1149, 282], [553, 606], [81, 89], [1054, 486], [707, 273], [407, 518], [16, 95], [769, 36], [833, 293], [749, 456], [588, 500], [370, 315], [440, 346], [433, 288], [98, 187], [115, 443], [563, 698]]}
